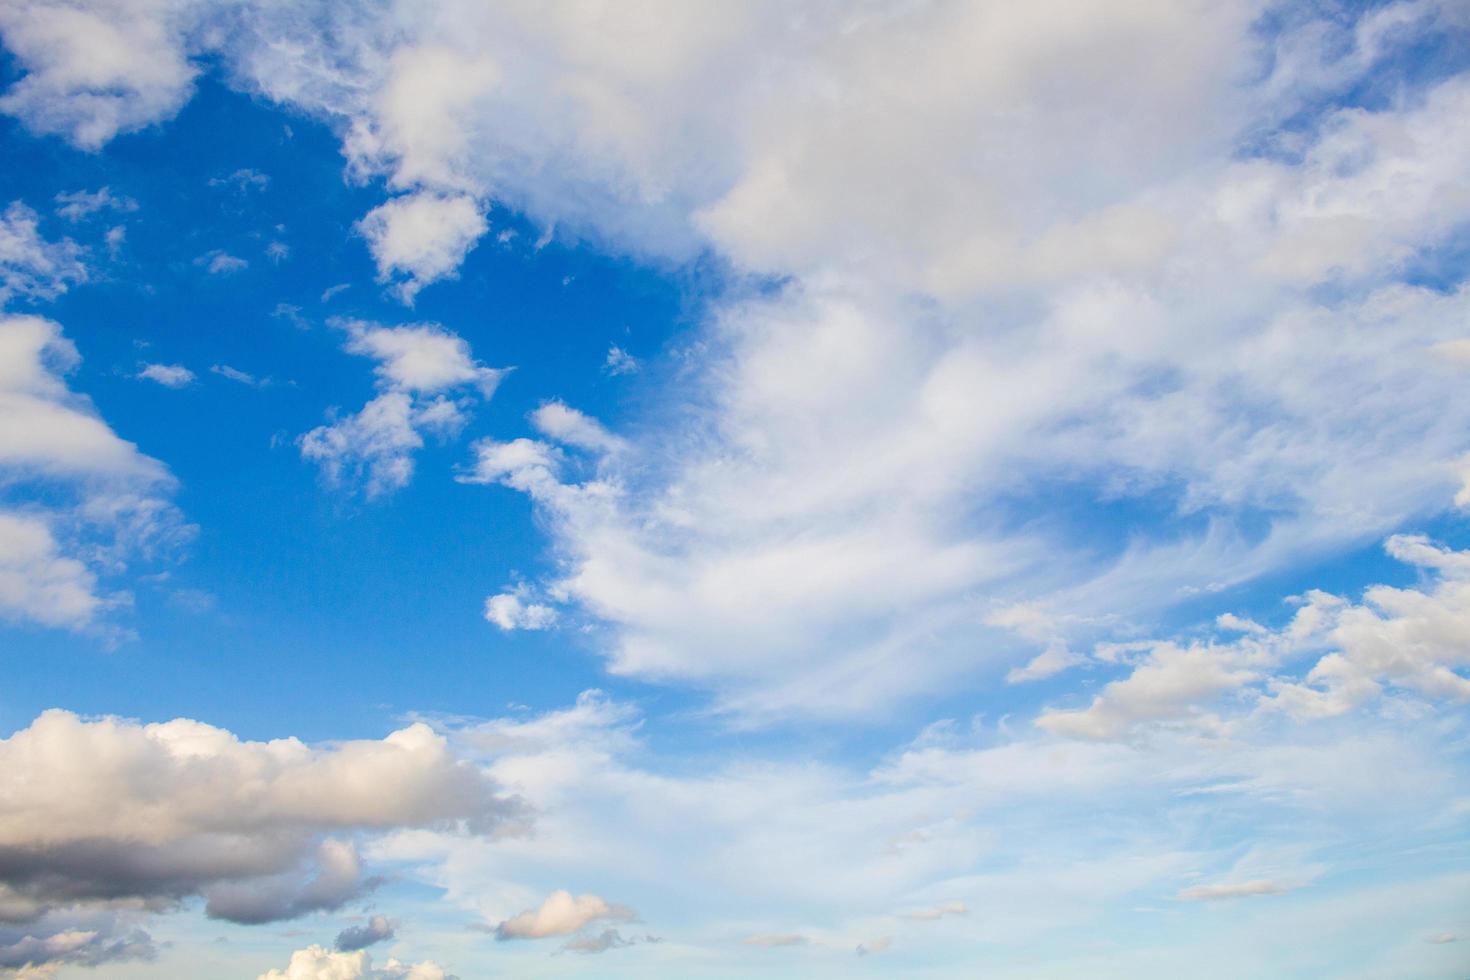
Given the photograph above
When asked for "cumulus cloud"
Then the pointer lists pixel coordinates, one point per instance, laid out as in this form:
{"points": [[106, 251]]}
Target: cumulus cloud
{"points": [[92, 72], [168, 375], [511, 611], [1409, 639], [109, 811], [423, 236], [420, 368], [316, 963], [377, 929], [561, 914]]}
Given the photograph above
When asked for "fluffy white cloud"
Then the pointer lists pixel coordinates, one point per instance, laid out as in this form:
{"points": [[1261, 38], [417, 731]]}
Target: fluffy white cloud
{"points": [[425, 236], [37, 582], [561, 914], [32, 267], [108, 500], [566, 425], [1411, 639], [511, 611], [107, 812], [316, 963], [168, 375], [418, 367], [96, 70]]}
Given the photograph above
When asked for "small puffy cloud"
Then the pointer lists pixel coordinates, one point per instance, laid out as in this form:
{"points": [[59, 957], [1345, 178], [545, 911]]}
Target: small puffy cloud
{"points": [[619, 362], [221, 263], [874, 946], [107, 811], [561, 915], [1440, 938], [422, 358], [278, 251], [376, 930], [566, 425], [423, 237], [168, 375], [30, 266], [1235, 889], [418, 367], [317, 963], [76, 205], [511, 611]]}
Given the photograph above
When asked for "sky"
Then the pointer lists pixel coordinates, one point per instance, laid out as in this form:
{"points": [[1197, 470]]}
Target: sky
{"points": [[893, 488]]}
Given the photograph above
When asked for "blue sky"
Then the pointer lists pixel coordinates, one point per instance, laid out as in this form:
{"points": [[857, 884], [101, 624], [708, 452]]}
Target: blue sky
{"points": [[914, 490]]}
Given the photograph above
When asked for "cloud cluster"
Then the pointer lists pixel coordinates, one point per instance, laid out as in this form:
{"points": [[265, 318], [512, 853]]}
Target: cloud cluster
{"points": [[109, 816], [428, 380], [316, 963], [1414, 640], [1202, 321]]}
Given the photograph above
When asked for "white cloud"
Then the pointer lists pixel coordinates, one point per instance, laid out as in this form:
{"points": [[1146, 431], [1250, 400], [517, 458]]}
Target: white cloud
{"points": [[110, 811], [168, 375], [1147, 326], [108, 501], [424, 236], [76, 205], [218, 262], [316, 963], [561, 914], [235, 374], [421, 358], [30, 266], [92, 72], [418, 367], [37, 582], [570, 427], [619, 361], [510, 611]]}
